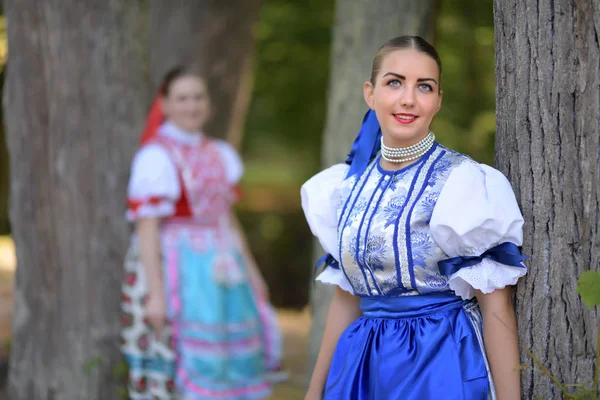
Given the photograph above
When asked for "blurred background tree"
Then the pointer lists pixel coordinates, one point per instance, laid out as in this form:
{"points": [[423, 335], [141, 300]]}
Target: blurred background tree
{"points": [[214, 37], [282, 140], [4, 179], [71, 107], [548, 146]]}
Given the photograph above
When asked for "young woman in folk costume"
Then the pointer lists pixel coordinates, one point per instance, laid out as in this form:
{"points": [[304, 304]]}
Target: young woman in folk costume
{"points": [[197, 322], [415, 232]]}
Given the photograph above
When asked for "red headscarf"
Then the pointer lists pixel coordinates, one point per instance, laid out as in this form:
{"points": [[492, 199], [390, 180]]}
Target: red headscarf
{"points": [[154, 120]]}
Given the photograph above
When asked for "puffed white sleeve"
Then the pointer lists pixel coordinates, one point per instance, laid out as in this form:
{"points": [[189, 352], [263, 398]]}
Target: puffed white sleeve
{"points": [[320, 196], [234, 167], [477, 211], [154, 186]]}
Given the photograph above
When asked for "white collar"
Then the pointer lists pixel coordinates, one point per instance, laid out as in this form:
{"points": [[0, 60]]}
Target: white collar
{"points": [[172, 131]]}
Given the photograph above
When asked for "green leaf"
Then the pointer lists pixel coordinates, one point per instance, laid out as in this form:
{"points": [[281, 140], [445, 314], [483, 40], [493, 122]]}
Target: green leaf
{"points": [[589, 288]]}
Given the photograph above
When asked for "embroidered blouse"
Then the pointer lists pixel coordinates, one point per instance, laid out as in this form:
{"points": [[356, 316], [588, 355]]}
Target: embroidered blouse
{"points": [[155, 185], [387, 230]]}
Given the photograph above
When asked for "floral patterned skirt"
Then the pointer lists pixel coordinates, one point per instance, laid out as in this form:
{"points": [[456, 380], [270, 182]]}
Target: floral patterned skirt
{"points": [[151, 361]]}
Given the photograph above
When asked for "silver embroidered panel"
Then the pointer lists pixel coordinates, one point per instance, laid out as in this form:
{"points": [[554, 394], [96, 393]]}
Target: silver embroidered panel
{"points": [[385, 245]]}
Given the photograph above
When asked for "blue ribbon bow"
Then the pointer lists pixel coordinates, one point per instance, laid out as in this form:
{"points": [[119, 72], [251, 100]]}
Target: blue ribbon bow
{"points": [[505, 253], [329, 262], [365, 146]]}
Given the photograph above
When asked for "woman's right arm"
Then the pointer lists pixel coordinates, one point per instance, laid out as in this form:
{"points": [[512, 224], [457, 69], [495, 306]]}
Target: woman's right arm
{"points": [[344, 309], [147, 230]]}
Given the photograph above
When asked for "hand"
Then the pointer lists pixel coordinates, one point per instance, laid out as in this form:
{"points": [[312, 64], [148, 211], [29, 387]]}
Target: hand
{"points": [[155, 313], [261, 288], [313, 394]]}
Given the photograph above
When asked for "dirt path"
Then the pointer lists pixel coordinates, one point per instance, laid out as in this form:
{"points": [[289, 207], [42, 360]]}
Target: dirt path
{"points": [[295, 326], [7, 267]]}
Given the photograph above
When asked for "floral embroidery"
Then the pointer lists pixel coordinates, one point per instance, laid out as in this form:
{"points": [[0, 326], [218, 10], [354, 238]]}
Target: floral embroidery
{"points": [[440, 171], [428, 204], [389, 285], [436, 281], [375, 252], [422, 246], [396, 179], [392, 209], [355, 281], [357, 210]]}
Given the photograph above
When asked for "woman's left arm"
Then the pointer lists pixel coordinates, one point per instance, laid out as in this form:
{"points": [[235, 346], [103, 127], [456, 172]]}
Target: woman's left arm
{"points": [[501, 342], [256, 279]]}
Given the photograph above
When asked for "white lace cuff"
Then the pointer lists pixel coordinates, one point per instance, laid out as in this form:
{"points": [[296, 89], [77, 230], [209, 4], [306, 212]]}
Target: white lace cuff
{"points": [[332, 276], [486, 276], [164, 208]]}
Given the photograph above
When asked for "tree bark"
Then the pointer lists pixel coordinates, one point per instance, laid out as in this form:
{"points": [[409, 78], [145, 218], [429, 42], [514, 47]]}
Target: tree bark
{"points": [[361, 27], [547, 143], [4, 174], [215, 37], [73, 113]]}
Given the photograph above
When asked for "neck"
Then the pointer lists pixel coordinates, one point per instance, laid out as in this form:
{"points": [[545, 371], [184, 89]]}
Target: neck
{"points": [[175, 132], [179, 129], [397, 143]]}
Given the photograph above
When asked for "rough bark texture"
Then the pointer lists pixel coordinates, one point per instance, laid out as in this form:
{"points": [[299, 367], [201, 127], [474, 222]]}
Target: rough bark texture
{"points": [[216, 37], [548, 144], [361, 27], [73, 111]]}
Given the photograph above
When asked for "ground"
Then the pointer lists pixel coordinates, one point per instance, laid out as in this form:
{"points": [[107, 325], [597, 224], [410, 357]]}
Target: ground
{"points": [[295, 326]]}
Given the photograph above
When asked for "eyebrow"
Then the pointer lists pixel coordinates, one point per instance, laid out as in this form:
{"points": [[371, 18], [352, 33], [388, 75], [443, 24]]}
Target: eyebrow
{"points": [[404, 78]]}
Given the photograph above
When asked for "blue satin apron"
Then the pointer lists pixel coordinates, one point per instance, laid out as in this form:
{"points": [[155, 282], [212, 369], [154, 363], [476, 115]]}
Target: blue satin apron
{"points": [[421, 347]]}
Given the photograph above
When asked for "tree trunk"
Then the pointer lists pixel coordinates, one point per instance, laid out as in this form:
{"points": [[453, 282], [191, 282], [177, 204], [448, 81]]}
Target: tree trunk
{"points": [[73, 112], [548, 136], [216, 37], [361, 27], [4, 174]]}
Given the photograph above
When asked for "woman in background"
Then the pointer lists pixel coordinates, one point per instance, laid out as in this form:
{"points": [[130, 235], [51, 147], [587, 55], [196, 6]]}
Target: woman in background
{"points": [[193, 296]]}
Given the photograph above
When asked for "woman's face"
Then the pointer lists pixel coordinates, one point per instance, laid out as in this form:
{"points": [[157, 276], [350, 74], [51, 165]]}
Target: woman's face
{"points": [[405, 96], [187, 104]]}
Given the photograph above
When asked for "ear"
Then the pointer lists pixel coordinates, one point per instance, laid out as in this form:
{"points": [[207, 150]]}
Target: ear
{"points": [[440, 101], [369, 93]]}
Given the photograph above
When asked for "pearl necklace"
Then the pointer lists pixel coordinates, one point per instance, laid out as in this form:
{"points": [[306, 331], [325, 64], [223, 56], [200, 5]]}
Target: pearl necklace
{"points": [[405, 154]]}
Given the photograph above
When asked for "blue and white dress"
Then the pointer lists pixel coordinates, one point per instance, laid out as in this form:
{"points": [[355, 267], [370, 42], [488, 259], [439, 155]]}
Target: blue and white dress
{"points": [[421, 334]]}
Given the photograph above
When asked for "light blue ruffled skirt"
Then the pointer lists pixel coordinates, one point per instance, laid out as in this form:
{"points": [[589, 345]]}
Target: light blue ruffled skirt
{"points": [[217, 328]]}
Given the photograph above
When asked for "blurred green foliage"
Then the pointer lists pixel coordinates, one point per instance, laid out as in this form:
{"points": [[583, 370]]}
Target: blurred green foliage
{"points": [[282, 139], [465, 42], [287, 113]]}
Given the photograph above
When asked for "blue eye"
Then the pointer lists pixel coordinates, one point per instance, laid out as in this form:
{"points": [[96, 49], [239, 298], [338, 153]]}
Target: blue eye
{"points": [[394, 83], [425, 87]]}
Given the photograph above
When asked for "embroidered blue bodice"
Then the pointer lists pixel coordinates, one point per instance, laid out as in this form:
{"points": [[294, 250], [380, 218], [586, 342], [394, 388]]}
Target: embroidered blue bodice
{"points": [[386, 248]]}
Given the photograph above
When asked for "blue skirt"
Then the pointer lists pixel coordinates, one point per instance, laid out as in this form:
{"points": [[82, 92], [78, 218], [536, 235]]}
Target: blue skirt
{"points": [[412, 347]]}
